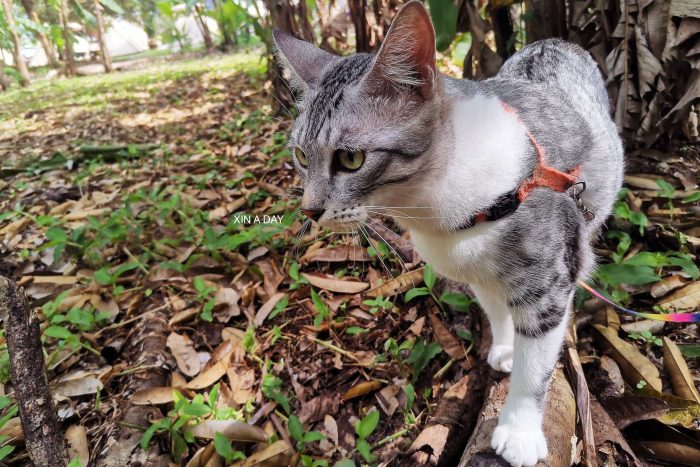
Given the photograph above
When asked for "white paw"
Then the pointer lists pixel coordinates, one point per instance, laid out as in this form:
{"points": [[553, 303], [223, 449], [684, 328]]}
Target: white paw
{"points": [[501, 358], [519, 446]]}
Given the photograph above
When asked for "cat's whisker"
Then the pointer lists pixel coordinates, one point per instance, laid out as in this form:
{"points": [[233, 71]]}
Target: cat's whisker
{"points": [[404, 215], [381, 260], [300, 235], [403, 265]]}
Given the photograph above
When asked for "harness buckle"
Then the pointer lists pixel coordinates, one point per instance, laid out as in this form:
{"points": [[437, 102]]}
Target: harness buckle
{"points": [[575, 194]]}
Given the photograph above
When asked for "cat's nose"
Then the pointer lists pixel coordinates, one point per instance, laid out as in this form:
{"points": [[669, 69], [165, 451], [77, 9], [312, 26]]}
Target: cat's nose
{"points": [[313, 214]]}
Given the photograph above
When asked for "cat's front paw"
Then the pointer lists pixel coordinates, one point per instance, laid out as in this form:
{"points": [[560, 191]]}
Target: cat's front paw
{"points": [[501, 358], [519, 446]]}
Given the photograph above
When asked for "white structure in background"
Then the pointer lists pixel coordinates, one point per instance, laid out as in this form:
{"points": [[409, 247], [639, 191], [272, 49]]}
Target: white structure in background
{"points": [[122, 38], [191, 28], [125, 38]]}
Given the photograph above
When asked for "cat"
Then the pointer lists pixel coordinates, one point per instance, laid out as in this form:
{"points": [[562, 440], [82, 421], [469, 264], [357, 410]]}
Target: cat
{"points": [[484, 175]]}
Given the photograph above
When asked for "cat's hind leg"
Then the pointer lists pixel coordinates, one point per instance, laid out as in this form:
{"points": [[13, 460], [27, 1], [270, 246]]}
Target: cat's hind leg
{"points": [[500, 356]]}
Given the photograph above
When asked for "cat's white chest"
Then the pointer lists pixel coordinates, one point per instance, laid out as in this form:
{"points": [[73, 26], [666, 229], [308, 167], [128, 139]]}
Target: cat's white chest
{"points": [[464, 256]]}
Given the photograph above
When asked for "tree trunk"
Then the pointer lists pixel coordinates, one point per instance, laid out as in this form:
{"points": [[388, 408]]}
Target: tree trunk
{"points": [[68, 45], [358, 16], [4, 80], [545, 19], [281, 16], [104, 53], [227, 40], [42, 432], [17, 48], [503, 31], [40, 36], [208, 42]]}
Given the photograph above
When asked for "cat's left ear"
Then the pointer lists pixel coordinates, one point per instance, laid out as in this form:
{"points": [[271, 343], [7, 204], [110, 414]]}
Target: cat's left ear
{"points": [[303, 62], [406, 59]]}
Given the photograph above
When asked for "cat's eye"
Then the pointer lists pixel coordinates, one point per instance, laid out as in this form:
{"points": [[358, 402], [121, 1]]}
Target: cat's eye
{"points": [[301, 157], [350, 160]]}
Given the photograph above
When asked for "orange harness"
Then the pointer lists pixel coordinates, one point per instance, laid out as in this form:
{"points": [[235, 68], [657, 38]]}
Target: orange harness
{"points": [[543, 176]]}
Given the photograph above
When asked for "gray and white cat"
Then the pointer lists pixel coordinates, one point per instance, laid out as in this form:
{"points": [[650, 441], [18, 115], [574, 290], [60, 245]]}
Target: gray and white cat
{"points": [[387, 133]]}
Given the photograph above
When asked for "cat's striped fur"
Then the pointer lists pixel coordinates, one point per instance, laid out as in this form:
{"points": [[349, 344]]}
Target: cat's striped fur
{"points": [[439, 150]]}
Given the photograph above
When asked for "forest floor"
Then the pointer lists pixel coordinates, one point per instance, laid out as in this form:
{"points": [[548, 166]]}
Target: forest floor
{"points": [[151, 217]]}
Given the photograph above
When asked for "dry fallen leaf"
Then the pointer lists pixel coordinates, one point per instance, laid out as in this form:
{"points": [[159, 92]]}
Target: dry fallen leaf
{"points": [[361, 389], [278, 454], [685, 299], [335, 285], [206, 457], [233, 429], [76, 437], [186, 356], [153, 396], [210, 376], [266, 309], [635, 367], [666, 285], [678, 371], [450, 344], [398, 285]]}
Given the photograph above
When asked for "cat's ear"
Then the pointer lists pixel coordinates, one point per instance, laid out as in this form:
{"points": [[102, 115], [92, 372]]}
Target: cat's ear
{"points": [[302, 61], [406, 59]]}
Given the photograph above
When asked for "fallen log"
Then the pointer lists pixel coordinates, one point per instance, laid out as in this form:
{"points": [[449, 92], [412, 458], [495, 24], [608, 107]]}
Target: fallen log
{"points": [[42, 433], [146, 349], [441, 441], [559, 425]]}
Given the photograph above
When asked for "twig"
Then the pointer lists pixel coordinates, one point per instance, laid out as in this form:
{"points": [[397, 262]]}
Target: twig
{"points": [[43, 436]]}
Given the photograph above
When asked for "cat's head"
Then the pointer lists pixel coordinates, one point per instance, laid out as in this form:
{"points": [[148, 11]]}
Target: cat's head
{"points": [[367, 122]]}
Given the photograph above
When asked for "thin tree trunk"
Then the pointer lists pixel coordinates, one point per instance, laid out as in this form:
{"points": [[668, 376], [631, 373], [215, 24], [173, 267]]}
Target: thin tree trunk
{"points": [[68, 45], [281, 16], [208, 42], [17, 48], [4, 80], [227, 41], [40, 36], [358, 16], [503, 31], [545, 19], [42, 432], [104, 53]]}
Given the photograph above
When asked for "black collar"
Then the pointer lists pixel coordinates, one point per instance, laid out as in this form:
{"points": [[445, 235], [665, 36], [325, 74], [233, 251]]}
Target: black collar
{"points": [[505, 204]]}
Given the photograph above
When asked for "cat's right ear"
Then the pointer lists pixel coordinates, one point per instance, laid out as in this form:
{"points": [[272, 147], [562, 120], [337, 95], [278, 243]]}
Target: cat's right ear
{"points": [[303, 62]]}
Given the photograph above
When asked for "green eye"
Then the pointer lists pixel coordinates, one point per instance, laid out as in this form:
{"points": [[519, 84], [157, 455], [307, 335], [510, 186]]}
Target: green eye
{"points": [[301, 157], [350, 160]]}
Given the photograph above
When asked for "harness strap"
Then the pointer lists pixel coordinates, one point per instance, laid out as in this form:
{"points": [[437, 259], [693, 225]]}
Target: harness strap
{"points": [[543, 176]]}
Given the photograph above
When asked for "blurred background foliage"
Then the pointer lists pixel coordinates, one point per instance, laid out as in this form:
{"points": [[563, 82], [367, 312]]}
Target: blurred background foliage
{"points": [[648, 50]]}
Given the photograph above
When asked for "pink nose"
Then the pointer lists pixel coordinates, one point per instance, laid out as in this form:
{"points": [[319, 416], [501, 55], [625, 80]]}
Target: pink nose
{"points": [[313, 214]]}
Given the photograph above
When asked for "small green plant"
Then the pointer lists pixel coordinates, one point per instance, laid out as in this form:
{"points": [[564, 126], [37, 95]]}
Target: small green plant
{"points": [[666, 190], [419, 355], [296, 430], [224, 447], [205, 296], [272, 389], [457, 301], [10, 412], [646, 337], [297, 279], [364, 428], [378, 303], [322, 311], [185, 412]]}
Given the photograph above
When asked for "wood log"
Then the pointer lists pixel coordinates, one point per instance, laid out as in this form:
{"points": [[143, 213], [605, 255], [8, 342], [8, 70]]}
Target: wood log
{"points": [[43, 437], [146, 348], [559, 425]]}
